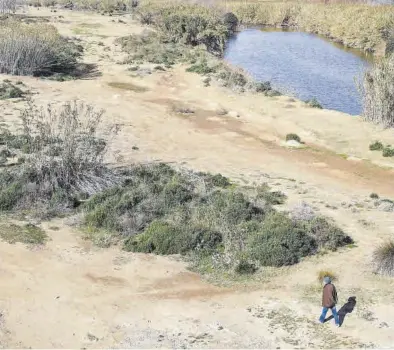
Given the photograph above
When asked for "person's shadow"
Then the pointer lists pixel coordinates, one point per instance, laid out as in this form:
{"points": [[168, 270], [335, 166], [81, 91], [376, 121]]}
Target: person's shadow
{"points": [[344, 310]]}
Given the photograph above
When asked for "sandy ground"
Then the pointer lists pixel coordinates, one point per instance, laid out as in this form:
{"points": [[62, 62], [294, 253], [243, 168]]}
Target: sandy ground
{"points": [[72, 295]]}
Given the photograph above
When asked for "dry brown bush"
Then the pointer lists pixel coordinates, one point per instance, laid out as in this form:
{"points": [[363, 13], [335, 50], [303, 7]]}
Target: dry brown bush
{"points": [[377, 89], [34, 49]]}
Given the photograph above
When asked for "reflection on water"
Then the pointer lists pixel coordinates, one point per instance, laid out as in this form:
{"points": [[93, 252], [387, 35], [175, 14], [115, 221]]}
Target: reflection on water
{"points": [[300, 64]]}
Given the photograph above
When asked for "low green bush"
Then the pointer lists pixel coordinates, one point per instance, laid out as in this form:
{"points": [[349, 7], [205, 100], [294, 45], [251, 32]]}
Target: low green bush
{"points": [[280, 242], [388, 151], [163, 211], [295, 137], [376, 146], [163, 238]]}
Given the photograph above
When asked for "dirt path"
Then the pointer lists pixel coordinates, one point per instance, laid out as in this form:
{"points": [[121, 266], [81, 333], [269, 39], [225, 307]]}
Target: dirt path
{"points": [[71, 295]]}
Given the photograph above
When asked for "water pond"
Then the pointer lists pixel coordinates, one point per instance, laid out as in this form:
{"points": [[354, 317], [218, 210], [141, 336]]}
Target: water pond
{"points": [[302, 65]]}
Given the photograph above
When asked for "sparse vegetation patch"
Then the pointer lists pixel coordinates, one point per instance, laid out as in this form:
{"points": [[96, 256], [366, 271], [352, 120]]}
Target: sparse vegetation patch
{"points": [[163, 211], [27, 234]]}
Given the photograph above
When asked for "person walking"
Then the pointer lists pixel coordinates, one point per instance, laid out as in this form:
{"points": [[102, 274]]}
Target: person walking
{"points": [[330, 300]]}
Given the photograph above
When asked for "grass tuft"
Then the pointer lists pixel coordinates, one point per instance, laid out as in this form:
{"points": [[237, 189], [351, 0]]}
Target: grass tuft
{"points": [[383, 259]]}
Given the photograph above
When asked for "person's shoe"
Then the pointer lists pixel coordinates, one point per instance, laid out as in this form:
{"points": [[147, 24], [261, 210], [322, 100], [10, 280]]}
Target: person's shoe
{"points": [[338, 325]]}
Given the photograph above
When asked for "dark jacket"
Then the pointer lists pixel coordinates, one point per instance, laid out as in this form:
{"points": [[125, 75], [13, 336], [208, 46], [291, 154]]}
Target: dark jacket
{"points": [[330, 297]]}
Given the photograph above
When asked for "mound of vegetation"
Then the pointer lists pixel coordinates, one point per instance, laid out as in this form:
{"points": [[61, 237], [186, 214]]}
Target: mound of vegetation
{"points": [[60, 160], [383, 259], [378, 94], [163, 211], [35, 49]]}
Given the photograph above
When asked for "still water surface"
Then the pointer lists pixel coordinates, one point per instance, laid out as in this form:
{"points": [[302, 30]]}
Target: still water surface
{"points": [[302, 65]]}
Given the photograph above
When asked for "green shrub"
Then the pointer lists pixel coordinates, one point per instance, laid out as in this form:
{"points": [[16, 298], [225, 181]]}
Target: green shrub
{"points": [[374, 196], [281, 242], [383, 259], [216, 180], [263, 86], [314, 103], [201, 68], [271, 197], [157, 209], [245, 267], [295, 137], [163, 238], [376, 146], [388, 151], [231, 21]]}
